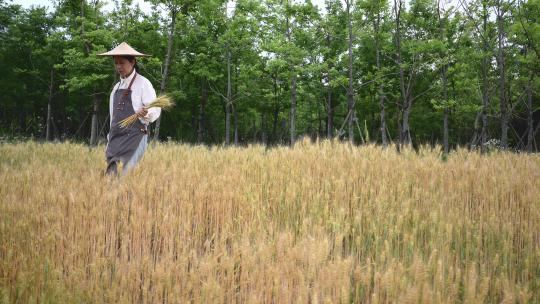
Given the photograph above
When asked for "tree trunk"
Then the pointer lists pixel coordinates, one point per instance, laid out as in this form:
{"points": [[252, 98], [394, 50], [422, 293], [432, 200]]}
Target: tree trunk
{"points": [[320, 130], [485, 105], [530, 122], [283, 132], [485, 89], [293, 110], [445, 84], [477, 128], [235, 112], [329, 106], [382, 128], [235, 119], [350, 93], [293, 87], [94, 130], [228, 101], [22, 122], [330, 114], [446, 112], [170, 43], [446, 144], [49, 108], [405, 129], [398, 123], [404, 133], [382, 107], [204, 99], [275, 123], [502, 77], [263, 128], [85, 43], [254, 139]]}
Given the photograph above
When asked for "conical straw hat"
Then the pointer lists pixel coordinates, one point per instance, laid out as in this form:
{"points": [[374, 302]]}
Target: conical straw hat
{"points": [[123, 50]]}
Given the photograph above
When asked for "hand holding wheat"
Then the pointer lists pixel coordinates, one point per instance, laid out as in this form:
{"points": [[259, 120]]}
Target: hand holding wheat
{"points": [[163, 101], [142, 112]]}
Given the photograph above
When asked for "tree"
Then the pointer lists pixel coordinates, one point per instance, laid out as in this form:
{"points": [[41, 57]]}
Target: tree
{"points": [[351, 114], [484, 39], [525, 34], [275, 70], [204, 54], [334, 28], [287, 22], [376, 12], [173, 8], [86, 73], [500, 11], [238, 43]]}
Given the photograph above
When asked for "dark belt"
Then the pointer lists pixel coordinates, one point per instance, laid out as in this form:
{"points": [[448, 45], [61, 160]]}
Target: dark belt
{"points": [[144, 131]]}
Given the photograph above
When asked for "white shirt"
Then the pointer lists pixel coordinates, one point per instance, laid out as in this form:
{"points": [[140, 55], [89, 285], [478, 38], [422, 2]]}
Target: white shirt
{"points": [[142, 93]]}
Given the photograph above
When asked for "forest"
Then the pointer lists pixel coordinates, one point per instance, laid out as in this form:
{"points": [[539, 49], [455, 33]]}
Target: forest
{"points": [[450, 73]]}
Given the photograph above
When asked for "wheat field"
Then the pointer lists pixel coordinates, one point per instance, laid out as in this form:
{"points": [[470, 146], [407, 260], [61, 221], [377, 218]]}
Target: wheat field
{"points": [[324, 222]]}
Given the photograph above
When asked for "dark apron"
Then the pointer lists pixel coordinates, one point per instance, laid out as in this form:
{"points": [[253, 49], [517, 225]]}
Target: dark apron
{"points": [[123, 142]]}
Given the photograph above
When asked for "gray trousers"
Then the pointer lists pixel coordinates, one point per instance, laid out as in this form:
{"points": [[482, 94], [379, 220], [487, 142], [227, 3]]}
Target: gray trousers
{"points": [[112, 169]]}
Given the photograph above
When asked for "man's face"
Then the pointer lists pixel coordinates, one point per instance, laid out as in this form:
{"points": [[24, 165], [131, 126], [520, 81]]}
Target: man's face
{"points": [[123, 66]]}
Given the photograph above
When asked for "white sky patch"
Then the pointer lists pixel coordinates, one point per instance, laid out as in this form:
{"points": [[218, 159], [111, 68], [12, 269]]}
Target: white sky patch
{"points": [[145, 6], [109, 5], [231, 5]]}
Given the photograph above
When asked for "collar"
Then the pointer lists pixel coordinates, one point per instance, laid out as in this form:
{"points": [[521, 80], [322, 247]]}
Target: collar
{"points": [[128, 79]]}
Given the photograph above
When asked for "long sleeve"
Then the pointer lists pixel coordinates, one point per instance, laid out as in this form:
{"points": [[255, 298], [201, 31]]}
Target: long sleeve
{"points": [[111, 107], [148, 95]]}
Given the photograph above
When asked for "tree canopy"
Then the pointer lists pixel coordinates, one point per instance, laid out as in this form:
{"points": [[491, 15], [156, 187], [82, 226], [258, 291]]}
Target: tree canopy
{"points": [[459, 73]]}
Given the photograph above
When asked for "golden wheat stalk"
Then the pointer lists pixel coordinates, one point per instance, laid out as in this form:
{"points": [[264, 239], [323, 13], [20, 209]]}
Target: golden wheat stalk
{"points": [[163, 101]]}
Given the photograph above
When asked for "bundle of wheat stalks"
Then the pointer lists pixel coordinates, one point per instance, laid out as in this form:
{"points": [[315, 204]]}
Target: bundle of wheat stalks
{"points": [[163, 101]]}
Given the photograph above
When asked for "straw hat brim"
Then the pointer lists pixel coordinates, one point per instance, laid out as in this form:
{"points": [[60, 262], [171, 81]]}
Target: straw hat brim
{"points": [[123, 49]]}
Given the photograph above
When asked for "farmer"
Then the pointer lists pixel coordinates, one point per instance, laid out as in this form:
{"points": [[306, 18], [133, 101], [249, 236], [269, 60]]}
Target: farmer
{"points": [[128, 97]]}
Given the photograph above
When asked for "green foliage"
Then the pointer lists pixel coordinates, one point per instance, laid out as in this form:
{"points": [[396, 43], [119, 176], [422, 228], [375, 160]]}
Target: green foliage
{"points": [[59, 47]]}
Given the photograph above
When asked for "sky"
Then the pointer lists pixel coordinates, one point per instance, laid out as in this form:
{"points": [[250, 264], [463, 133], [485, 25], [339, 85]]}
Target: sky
{"points": [[145, 6]]}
